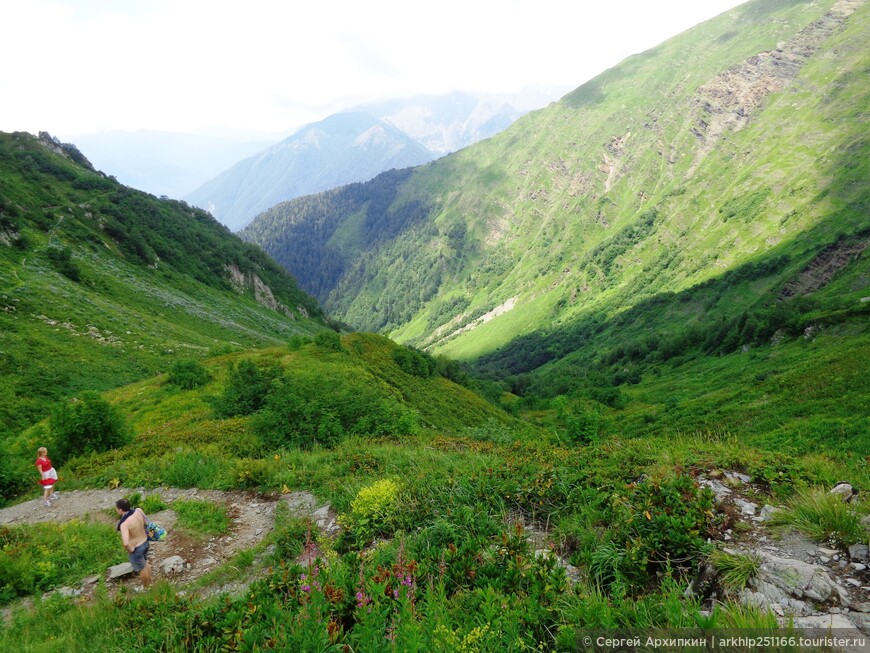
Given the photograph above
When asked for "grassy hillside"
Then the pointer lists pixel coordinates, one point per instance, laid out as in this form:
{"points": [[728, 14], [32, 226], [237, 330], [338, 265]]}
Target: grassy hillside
{"points": [[101, 285], [477, 531], [737, 143], [661, 281], [314, 395]]}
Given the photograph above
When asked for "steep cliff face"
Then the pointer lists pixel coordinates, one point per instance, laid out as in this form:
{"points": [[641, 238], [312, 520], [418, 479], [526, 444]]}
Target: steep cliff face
{"points": [[244, 282]]}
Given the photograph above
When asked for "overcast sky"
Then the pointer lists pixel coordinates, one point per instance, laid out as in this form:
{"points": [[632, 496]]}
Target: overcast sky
{"points": [[78, 66]]}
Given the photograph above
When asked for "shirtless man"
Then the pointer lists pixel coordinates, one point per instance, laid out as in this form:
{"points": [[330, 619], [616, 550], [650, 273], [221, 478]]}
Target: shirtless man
{"points": [[132, 528]]}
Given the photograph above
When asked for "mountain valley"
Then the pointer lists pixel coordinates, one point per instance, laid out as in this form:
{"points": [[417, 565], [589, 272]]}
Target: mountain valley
{"points": [[605, 371]]}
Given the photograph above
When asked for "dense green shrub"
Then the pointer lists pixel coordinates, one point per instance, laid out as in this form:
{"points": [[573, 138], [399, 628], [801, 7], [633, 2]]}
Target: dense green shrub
{"points": [[250, 473], [297, 342], [307, 409], [86, 425], [14, 477], [583, 426], [188, 374], [657, 525], [247, 388], [327, 339], [453, 370], [415, 362]]}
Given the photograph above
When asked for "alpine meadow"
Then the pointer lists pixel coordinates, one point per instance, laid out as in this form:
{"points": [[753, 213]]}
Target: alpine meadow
{"points": [[605, 372]]}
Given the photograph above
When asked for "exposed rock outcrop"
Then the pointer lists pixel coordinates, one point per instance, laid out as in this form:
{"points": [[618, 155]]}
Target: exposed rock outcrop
{"points": [[822, 268], [728, 101], [250, 282]]}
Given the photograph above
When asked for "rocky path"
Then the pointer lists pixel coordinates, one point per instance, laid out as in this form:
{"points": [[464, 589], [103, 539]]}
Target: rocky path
{"points": [[181, 558], [816, 585]]}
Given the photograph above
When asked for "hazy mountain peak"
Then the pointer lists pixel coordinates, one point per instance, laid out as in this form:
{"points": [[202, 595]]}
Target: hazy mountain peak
{"points": [[341, 149]]}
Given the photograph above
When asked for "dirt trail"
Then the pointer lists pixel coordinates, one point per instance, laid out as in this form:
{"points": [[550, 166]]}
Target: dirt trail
{"points": [[252, 519]]}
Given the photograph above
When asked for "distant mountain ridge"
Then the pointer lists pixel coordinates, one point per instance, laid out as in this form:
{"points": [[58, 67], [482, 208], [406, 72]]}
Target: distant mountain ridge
{"points": [[355, 146], [447, 123], [341, 149]]}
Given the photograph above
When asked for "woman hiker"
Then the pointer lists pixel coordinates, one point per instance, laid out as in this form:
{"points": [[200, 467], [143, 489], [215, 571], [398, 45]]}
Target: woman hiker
{"points": [[48, 477]]}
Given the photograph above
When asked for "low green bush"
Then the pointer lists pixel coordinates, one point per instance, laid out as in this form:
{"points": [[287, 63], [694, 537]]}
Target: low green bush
{"points": [[372, 511], [414, 361], [329, 340], [248, 385], [188, 374], [86, 425], [153, 503], [249, 474], [307, 409], [657, 524], [297, 342]]}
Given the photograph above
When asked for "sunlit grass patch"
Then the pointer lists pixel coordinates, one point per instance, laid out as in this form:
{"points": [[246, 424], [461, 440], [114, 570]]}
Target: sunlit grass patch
{"points": [[825, 517], [40, 557], [202, 517]]}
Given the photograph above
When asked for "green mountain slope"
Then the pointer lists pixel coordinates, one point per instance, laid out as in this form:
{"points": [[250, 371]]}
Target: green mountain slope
{"points": [[739, 143], [224, 428], [101, 285]]}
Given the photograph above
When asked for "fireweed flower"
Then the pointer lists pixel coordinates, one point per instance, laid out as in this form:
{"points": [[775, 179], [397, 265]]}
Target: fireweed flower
{"points": [[362, 600]]}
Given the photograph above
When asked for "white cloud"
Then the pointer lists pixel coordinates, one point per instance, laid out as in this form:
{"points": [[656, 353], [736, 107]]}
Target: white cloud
{"points": [[76, 66]]}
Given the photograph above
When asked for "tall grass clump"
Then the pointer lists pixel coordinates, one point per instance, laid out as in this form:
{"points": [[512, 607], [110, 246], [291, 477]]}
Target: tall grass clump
{"points": [[192, 469], [735, 569], [823, 516]]}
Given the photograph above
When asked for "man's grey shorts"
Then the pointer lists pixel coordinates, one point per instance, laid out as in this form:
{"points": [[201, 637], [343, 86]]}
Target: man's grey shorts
{"points": [[139, 557]]}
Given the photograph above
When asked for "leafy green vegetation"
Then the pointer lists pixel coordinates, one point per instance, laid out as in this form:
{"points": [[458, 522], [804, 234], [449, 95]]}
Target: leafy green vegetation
{"points": [[188, 374], [456, 559], [632, 198], [88, 425], [372, 511], [42, 557], [639, 295], [247, 388]]}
